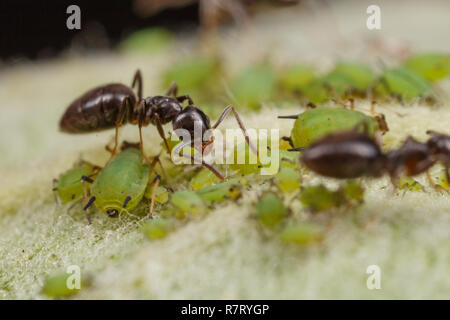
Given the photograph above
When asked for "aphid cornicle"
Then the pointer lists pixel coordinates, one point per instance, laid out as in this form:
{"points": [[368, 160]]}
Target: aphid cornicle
{"points": [[121, 184]]}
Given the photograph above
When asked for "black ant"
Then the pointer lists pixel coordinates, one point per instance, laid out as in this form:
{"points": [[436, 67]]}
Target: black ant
{"points": [[351, 154], [112, 105]]}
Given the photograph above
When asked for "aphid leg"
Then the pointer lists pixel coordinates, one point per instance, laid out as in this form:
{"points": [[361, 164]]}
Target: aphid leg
{"points": [[352, 103], [85, 179], [89, 203], [196, 160], [288, 139], [127, 199], [152, 202], [54, 188], [137, 79], [372, 108], [241, 125], [163, 172], [173, 89]]}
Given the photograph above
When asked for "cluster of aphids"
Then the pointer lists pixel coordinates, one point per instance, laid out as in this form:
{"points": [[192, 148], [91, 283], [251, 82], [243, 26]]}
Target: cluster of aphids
{"points": [[123, 182]]}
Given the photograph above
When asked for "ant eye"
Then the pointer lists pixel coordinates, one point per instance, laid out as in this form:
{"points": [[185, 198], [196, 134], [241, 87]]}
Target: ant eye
{"points": [[112, 213]]}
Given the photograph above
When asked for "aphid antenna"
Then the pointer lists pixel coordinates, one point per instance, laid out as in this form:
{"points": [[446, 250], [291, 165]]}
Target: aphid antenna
{"points": [[297, 149], [295, 116]]}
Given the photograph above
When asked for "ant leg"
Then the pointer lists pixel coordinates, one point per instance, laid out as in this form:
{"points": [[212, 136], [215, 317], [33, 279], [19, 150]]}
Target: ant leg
{"points": [[54, 188], [198, 160], [241, 125], [120, 120], [85, 179], [372, 108], [161, 131], [187, 97], [137, 79], [173, 89], [295, 116], [152, 202]]}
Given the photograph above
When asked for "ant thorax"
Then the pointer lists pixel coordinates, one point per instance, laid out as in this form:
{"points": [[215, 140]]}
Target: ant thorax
{"points": [[162, 107]]}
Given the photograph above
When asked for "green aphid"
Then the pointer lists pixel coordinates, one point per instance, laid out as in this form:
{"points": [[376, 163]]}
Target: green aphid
{"points": [[405, 83], [187, 201], [203, 178], [353, 191], [316, 92], [295, 78], [56, 285], [288, 179], [360, 76], [409, 184], [270, 210], [230, 189], [319, 198], [69, 186], [301, 234], [443, 182], [161, 194], [316, 123], [121, 184], [431, 66], [337, 83], [243, 160], [193, 74], [148, 40], [157, 228], [288, 159], [254, 85]]}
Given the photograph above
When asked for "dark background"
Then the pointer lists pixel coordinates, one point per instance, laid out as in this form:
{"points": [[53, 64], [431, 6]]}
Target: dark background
{"points": [[37, 28]]}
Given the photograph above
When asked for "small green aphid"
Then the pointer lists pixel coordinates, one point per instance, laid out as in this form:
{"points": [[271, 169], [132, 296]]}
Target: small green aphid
{"points": [[295, 78], [55, 285], [431, 66], [319, 198], [409, 184], [288, 179], [254, 85], [203, 178], [270, 210], [319, 122], [196, 75], [359, 76], [353, 191], [157, 228], [405, 84], [301, 234], [219, 192], [148, 40], [187, 201], [69, 187], [121, 184]]}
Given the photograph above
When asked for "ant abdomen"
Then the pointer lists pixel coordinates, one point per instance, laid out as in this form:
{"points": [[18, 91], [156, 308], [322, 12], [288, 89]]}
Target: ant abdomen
{"points": [[98, 109]]}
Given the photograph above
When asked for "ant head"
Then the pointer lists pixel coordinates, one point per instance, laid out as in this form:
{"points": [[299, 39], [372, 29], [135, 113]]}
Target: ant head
{"points": [[191, 119]]}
